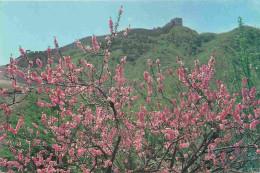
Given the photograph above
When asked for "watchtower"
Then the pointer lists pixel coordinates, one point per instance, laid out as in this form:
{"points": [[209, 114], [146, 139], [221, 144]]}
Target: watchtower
{"points": [[177, 21]]}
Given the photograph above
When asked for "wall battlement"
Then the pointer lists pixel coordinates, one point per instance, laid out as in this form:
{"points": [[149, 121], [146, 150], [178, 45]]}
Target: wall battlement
{"points": [[174, 22]]}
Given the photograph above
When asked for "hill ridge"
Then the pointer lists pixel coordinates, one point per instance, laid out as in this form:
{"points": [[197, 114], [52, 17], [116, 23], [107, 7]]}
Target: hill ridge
{"points": [[155, 31]]}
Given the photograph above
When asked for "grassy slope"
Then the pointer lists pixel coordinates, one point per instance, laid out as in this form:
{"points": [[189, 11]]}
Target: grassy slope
{"points": [[141, 45], [165, 44]]}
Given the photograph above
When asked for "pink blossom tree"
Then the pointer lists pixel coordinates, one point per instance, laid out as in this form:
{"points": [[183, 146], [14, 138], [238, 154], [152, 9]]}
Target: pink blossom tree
{"points": [[106, 123]]}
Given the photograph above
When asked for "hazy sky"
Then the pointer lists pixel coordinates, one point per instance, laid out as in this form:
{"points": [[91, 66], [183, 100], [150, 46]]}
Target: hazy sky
{"points": [[32, 24]]}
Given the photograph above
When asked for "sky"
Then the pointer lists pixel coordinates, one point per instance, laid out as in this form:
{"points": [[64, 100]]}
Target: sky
{"points": [[32, 24]]}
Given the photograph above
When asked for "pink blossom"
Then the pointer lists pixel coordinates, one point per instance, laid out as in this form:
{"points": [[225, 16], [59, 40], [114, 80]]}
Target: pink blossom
{"points": [[49, 51], [121, 10], [127, 30], [134, 98], [81, 151], [34, 125], [37, 134], [111, 25], [71, 152], [2, 138], [148, 100], [39, 63], [244, 81], [223, 156], [141, 117], [95, 44], [169, 71], [88, 48], [107, 163], [49, 61], [80, 45], [146, 76], [253, 124], [150, 90], [184, 145], [4, 107], [174, 101], [22, 51], [149, 62]]}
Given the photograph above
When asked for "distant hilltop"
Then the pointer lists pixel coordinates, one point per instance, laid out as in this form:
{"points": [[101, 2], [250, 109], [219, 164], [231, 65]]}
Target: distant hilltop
{"points": [[167, 41], [87, 40], [174, 22]]}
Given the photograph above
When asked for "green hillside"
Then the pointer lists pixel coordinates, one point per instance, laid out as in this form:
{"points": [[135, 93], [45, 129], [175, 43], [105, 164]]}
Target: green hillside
{"points": [[165, 44], [184, 42]]}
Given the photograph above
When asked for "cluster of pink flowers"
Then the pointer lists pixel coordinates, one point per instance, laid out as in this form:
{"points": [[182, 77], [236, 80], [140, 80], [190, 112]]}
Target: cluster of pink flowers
{"points": [[102, 121], [39, 63], [80, 45], [111, 25], [95, 44], [49, 52], [121, 10], [127, 30], [22, 51]]}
